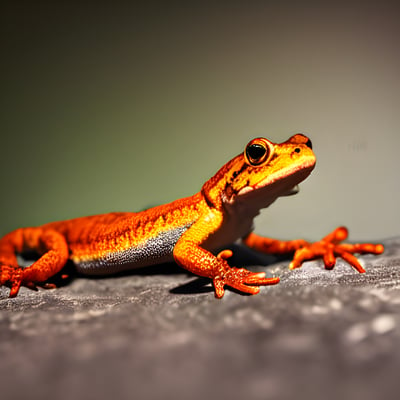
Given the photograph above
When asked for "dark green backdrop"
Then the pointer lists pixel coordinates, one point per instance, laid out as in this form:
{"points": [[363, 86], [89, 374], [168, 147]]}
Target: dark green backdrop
{"points": [[121, 107]]}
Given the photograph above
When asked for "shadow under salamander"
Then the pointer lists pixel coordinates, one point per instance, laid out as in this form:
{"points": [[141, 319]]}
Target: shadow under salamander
{"points": [[242, 257]]}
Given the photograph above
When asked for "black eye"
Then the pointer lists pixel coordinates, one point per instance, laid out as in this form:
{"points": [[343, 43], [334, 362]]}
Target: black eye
{"points": [[258, 151], [255, 152]]}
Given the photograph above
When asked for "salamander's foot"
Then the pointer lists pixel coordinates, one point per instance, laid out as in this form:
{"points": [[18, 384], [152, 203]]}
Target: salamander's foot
{"points": [[12, 277], [329, 248], [238, 278]]}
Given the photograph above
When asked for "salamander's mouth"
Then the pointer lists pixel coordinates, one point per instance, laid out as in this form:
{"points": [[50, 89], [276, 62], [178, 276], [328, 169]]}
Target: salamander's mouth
{"points": [[282, 183], [288, 177]]}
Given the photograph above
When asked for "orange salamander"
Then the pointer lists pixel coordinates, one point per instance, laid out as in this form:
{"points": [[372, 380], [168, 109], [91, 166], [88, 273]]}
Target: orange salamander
{"points": [[192, 231]]}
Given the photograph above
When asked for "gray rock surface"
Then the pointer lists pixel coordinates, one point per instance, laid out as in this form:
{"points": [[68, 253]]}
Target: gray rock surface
{"points": [[158, 334]]}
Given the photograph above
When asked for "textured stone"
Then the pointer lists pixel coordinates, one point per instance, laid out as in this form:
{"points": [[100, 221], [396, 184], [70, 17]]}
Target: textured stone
{"points": [[160, 333]]}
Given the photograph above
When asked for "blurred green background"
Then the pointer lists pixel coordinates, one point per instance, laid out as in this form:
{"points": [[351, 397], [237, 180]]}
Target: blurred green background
{"points": [[120, 107]]}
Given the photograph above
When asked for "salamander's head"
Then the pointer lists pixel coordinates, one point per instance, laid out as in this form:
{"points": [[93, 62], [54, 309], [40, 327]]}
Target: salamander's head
{"points": [[262, 173]]}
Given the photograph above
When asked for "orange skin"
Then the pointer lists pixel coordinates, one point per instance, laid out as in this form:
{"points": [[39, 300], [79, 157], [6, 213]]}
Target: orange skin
{"points": [[188, 230]]}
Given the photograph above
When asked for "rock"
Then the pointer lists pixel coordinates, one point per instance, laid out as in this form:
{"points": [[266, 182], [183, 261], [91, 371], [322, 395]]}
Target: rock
{"points": [[160, 333]]}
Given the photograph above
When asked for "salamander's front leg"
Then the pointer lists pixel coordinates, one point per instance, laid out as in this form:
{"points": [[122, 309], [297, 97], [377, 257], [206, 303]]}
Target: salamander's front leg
{"points": [[328, 248], [201, 262]]}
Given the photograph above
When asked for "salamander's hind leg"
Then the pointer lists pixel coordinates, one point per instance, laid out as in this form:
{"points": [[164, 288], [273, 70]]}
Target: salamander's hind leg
{"points": [[50, 244], [328, 248]]}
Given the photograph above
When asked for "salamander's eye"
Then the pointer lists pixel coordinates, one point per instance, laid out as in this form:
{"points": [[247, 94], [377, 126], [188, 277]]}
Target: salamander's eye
{"points": [[258, 152]]}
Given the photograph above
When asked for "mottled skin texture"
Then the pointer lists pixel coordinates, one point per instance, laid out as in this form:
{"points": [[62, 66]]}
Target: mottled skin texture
{"points": [[188, 230]]}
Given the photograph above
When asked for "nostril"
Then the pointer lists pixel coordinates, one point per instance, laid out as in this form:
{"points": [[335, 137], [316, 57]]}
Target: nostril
{"points": [[309, 144]]}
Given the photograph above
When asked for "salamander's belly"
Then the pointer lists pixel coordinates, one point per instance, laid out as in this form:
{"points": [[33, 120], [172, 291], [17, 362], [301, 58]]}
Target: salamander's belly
{"points": [[156, 250]]}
